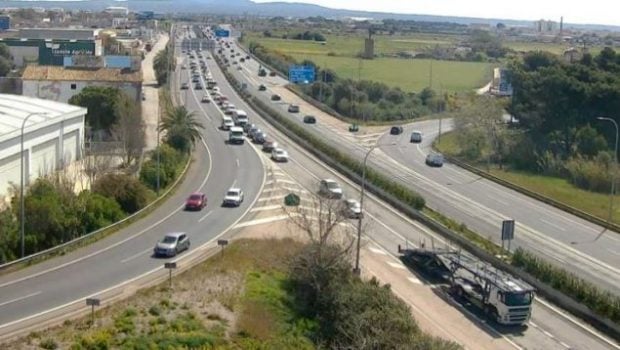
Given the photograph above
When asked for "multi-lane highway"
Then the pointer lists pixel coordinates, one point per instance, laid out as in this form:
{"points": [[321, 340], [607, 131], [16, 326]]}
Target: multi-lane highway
{"points": [[122, 257], [41, 289], [386, 228], [560, 237]]}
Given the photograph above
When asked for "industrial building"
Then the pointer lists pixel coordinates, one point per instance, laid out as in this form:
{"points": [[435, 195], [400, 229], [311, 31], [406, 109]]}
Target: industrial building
{"points": [[61, 83], [50, 46], [53, 137]]}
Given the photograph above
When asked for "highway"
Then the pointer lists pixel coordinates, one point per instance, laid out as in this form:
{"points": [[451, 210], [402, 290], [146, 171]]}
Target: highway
{"points": [[559, 237], [385, 228], [38, 290]]}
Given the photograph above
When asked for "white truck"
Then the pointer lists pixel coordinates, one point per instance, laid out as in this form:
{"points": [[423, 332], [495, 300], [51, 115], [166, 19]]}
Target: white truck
{"points": [[235, 135], [502, 297]]}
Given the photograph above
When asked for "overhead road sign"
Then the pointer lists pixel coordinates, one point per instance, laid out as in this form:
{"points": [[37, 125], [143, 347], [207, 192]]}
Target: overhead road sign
{"points": [[222, 33], [301, 74]]}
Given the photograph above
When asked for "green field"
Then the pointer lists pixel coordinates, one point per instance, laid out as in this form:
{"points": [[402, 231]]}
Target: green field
{"points": [[409, 74], [559, 189]]}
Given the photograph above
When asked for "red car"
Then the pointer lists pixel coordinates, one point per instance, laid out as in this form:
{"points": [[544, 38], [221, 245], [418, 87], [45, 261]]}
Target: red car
{"points": [[196, 201]]}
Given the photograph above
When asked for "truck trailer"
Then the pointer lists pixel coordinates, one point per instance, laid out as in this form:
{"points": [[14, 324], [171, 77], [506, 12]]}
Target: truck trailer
{"points": [[501, 296]]}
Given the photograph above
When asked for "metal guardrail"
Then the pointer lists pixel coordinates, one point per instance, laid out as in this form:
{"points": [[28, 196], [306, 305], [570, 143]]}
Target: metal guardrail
{"points": [[75, 241], [564, 301], [538, 196]]}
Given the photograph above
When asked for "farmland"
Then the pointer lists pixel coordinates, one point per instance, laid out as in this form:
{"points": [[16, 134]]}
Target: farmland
{"points": [[340, 51]]}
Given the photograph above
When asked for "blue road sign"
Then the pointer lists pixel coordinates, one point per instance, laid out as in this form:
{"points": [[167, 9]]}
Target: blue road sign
{"points": [[222, 33], [301, 74]]}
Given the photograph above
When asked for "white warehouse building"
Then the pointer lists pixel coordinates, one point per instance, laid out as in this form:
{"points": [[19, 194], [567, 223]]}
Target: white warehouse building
{"points": [[53, 135]]}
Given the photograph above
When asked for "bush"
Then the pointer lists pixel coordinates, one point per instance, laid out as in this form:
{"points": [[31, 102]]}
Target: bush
{"points": [[128, 192], [48, 344], [588, 174], [171, 164], [601, 302], [98, 211]]}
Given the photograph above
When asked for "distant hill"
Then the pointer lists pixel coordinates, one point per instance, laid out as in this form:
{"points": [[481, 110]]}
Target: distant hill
{"points": [[240, 7]]}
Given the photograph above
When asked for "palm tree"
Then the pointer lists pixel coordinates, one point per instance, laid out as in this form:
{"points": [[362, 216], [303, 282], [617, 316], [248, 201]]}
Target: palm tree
{"points": [[181, 128]]}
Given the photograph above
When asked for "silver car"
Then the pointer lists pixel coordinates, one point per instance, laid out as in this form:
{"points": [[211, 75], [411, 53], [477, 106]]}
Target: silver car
{"points": [[330, 188], [172, 244], [352, 209]]}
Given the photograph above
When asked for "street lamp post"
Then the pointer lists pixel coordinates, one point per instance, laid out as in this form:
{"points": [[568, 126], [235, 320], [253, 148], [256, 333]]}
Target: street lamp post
{"points": [[22, 220], [615, 169], [357, 269]]}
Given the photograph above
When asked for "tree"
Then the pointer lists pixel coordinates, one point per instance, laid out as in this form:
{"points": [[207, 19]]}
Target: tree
{"points": [[480, 130], [100, 102], [181, 128], [162, 64], [6, 60], [129, 128], [324, 262], [8, 236], [129, 192]]}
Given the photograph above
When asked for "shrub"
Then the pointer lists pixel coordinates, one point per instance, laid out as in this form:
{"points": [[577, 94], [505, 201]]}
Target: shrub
{"points": [[171, 163], [48, 344], [602, 302], [589, 174], [98, 211], [128, 192]]}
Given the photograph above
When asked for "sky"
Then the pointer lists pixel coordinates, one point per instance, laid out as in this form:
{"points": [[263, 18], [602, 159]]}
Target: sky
{"points": [[585, 12]]}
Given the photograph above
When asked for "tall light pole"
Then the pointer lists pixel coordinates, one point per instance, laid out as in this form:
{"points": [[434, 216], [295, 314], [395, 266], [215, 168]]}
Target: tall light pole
{"points": [[357, 269], [22, 221], [613, 172]]}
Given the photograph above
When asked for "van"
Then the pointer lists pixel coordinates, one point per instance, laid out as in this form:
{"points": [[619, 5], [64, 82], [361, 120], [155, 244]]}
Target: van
{"points": [[227, 123], [416, 137], [240, 116], [235, 135]]}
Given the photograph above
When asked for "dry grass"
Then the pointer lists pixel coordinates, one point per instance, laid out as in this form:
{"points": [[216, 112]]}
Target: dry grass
{"points": [[237, 294]]}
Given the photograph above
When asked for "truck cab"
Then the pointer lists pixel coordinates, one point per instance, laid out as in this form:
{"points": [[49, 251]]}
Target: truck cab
{"points": [[241, 117]]}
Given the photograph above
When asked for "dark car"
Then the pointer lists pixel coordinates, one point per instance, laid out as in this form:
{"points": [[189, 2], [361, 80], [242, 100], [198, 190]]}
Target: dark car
{"points": [[427, 262], [272, 74], [293, 108], [247, 57], [275, 97], [184, 86], [309, 119], [198, 86], [269, 145], [434, 160], [260, 137], [262, 87], [196, 201], [247, 127], [396, 130]]}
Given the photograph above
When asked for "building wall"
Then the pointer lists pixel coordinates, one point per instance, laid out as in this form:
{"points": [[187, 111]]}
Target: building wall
{"points": [[62, 91], [24, 53], [50, 52], [46, 149], [47, 33]]}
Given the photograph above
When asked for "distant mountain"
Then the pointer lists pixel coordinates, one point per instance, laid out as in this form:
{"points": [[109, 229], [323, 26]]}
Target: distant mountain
{"points": [[241, 7]]}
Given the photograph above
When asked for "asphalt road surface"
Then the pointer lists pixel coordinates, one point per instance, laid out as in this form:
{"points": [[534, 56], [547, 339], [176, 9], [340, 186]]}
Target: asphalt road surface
{"points": [[482, 205]]}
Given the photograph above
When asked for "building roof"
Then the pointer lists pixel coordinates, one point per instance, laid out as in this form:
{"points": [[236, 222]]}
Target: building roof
{"points": [[15, 108], [58, 73]]}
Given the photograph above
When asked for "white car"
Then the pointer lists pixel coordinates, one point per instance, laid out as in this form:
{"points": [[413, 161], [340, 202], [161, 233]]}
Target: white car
{"points": [[205, 99], [279, 155], [352, 209], [230, 109], [227, 123], [234, 197]]}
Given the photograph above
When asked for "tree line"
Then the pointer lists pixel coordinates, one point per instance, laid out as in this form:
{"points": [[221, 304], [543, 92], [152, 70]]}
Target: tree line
{"points": [[362, 99], [55, 213], [555, 130]]}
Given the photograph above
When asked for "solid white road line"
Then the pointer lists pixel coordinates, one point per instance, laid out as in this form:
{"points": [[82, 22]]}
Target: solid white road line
{"points": [[20, 298], [261, 221], [414, 280], [205, 216], [377, 251], [265, 208], [396, 265], [136, 255], [552, 224]]}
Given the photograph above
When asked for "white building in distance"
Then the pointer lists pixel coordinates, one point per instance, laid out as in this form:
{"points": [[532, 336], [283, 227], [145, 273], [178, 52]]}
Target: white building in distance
{"points": [[53, 137]]}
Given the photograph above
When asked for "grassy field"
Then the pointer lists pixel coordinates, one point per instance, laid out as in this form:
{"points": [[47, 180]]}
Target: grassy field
{"points": [[554, 48], [235, 301], [411, 75], [559, 189]]}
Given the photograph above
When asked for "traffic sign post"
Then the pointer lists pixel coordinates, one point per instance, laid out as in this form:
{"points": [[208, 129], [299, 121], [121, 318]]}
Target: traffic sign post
{"points": [[301, 74], [170, 266], [222, 243], [92, 302], [508, 232]]}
